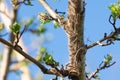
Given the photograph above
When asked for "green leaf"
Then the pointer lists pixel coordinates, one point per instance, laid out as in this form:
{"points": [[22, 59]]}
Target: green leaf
{"points": [[48, 59], [41, 29], [42, 14], [40, 55], [97, 76], [44, 18], [42, 50], [56, 24], [30, 21], [115, 10], [61, 78], [29, 2], [108, 59], [15, 28], [26, 22]]}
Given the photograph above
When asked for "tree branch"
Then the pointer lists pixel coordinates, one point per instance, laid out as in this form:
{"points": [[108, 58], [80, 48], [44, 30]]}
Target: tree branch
{"points": [[53, 14], [43, 68], [113, 36], [49, 9], [99, 69], [98, 42], [109, 39]]}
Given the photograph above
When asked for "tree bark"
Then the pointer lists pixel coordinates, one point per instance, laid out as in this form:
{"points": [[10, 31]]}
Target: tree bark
{"points": [[75, 34]]}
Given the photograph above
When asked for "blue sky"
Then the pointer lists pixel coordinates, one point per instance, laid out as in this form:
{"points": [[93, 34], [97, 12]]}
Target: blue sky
{"points": [[96, 24]]}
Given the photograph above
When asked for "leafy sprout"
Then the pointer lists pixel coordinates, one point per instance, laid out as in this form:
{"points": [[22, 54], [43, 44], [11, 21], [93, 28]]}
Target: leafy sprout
{"points": [[41, 29], [29, 2], [97, 76], [15, 28], [115, 10], [27, 22], [108, 59], [56, 24], [40, 55], [49, 60], [44, 18], [46, 58]]}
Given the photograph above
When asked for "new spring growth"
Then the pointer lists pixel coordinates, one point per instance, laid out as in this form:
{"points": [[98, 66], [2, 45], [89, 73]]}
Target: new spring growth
{"points": [[108, 59], [115, 10]]}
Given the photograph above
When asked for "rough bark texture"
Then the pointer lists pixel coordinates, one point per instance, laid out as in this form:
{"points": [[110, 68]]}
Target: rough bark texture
{"points": [[74, 30], [74, 27]]}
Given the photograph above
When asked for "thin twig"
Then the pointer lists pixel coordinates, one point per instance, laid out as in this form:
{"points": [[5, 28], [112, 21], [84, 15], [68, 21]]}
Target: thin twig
{"points": [[99, 69], [98, 42], [18, 36], [59, 12], [25, 28], [113, 23]]}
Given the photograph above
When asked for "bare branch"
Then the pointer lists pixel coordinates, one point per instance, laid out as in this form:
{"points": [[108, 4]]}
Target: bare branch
{"points": [[98, 42], [112, 23], [109, 39]]}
